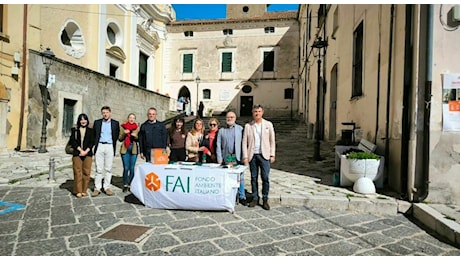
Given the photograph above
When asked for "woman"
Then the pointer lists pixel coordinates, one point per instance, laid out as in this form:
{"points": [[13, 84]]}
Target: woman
{"points": [[128, 149], [210, 139], [82, 142], [193, 144], [176, 140]]}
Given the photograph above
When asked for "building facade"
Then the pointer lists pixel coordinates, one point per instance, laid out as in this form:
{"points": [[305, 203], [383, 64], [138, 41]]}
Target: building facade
{"points": [[384, 68], [246, 59], [120, 44]]}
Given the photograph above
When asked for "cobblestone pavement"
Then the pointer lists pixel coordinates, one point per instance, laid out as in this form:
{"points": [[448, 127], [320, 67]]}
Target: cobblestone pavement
{"points": [[308, 217]]}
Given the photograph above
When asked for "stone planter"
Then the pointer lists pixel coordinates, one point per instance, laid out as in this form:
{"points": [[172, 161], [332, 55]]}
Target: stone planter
{"points": [[362, 172]]}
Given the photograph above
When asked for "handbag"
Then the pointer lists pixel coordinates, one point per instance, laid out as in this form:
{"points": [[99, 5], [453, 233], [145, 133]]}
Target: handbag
{"points": [[68, 148]]}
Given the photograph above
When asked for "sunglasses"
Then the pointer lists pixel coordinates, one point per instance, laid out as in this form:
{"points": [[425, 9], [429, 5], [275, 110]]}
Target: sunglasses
{"points": [[213, 124]]}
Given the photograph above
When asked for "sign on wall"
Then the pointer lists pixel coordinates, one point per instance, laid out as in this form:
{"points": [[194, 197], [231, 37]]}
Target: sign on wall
{"points": [[451, 102]]}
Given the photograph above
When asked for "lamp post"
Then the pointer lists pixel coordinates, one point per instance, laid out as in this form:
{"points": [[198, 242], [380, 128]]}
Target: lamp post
{"points": [[47, 59], [292, 91], [197, 80], [318, 44]]}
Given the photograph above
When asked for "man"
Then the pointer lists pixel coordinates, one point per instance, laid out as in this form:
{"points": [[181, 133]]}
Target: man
{"points": [[229, 142], [106, 133], [259, 152], [152, 134]]}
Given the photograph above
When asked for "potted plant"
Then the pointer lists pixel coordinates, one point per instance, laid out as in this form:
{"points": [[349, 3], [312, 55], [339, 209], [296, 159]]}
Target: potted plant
{"points": [[360, 164], [210, 110]]}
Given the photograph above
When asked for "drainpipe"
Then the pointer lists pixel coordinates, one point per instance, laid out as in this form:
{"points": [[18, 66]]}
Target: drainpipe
{"points": [[407, 100], [422, 175], [390, 60], [23, 77], [377, 102]]}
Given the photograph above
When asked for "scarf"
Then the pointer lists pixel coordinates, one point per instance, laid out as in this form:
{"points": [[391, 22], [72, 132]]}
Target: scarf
{"points": [[130, 127]]}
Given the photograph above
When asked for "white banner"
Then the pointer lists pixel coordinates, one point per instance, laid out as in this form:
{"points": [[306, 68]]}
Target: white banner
{"points": [[187, 187]]}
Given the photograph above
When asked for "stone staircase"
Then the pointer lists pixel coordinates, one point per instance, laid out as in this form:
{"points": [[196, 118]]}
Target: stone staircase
{"points": [[294, 150]]}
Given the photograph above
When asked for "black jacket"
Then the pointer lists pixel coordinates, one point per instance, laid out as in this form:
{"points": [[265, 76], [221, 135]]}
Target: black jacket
{"points": [[88, 140], [152, 135]]}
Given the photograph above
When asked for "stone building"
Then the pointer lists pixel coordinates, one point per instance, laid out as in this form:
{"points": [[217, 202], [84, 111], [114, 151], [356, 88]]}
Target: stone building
{"points": [[246, 59], [105, 54], [393, 70]]}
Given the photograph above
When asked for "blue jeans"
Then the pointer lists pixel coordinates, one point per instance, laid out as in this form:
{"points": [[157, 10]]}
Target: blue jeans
{"points": [[241, 189], [259, 162], [129, 161]]}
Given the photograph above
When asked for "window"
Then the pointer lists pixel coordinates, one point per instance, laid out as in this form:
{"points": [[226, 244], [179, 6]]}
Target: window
{"points": [[335, 23], [309, 26], [206, 94], [113, 70], [188, 33], [269, 29], [321, 14], [358, 61], [269, 61], [68, 116], [187, 66], [114, 33], [72, 40], [228, 31], [111, 35], [143, 70], [245, 9], [226, 62], [288, 93], [246, 89], [1, 18]]}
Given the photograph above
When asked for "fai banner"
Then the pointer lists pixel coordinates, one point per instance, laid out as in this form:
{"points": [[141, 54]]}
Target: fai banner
{"points": [[189, 187]]}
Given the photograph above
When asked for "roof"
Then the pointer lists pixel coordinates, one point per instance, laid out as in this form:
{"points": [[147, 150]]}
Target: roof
{"points": [[266, 16]]}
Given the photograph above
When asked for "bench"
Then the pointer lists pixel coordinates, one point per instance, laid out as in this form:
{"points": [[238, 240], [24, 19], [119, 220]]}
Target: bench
{"points": [[363, 145]]}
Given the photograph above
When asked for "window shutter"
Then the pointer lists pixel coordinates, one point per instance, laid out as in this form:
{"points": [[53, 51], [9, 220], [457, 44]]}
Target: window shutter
{"points": [[188, 63], [227, 62]]}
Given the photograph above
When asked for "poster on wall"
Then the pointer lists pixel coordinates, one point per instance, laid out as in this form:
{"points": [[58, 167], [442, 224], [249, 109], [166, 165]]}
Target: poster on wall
{"points": [[451, 102]]}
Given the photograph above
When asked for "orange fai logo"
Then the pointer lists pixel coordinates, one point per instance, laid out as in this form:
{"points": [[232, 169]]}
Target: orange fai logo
{"points": [[152, 182]]}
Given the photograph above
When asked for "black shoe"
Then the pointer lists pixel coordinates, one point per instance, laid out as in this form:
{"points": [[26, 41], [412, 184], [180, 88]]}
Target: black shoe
{"points": [[265, 205], [253, 203], [125, 188], [243, 202]]}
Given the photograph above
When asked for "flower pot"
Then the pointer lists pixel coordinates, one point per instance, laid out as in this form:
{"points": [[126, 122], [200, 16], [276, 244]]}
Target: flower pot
{"points": [[354, 169]]}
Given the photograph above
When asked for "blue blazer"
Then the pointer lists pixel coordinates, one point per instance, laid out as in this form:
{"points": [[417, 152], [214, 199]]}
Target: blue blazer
{"points": [[115, 133], [222, 143]]}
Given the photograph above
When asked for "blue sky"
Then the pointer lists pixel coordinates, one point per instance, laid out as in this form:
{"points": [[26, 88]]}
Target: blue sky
{"points": [[216, 11]]}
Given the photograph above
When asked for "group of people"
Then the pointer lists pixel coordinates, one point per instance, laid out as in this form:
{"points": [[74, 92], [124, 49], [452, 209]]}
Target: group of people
{"points": [[102, 137], [232, 144]]}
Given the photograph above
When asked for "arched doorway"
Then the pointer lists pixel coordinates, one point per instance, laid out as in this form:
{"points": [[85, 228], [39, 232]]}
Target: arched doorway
{"points": [[183, 97]]}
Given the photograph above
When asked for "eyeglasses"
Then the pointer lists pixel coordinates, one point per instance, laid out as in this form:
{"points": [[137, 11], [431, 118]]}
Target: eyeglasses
{"points": [[258, 106], [213, 124]]}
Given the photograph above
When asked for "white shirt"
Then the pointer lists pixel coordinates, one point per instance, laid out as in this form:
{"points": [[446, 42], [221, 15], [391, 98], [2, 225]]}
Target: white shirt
{"points": [[257, 138]]}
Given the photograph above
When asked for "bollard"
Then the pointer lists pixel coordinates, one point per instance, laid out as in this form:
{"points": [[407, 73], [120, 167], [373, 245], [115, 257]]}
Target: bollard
{"points": [[51, 170]]}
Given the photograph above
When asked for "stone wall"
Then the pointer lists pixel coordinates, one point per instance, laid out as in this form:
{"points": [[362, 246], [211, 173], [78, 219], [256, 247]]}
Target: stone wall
{"points": [[89, 91]]}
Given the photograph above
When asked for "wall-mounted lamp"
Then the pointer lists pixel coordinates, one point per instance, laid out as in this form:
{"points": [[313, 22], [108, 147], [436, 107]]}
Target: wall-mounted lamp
{"points": [[17, 64]]}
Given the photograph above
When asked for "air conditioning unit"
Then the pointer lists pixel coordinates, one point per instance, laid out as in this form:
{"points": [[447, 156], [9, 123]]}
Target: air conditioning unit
{"points": [[456, 13]]}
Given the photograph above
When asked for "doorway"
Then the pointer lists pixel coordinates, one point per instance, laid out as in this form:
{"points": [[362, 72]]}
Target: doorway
{"points": [[246, 105], [333, 105]]}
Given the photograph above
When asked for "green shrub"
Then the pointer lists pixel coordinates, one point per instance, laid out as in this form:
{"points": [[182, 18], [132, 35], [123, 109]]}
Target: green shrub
{"points": [[362, 155]]}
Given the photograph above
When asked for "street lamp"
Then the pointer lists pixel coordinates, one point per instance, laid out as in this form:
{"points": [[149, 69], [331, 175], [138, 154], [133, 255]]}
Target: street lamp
{"points": [[47, 59], [318, 44], [292, 91], [197, 80]]}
